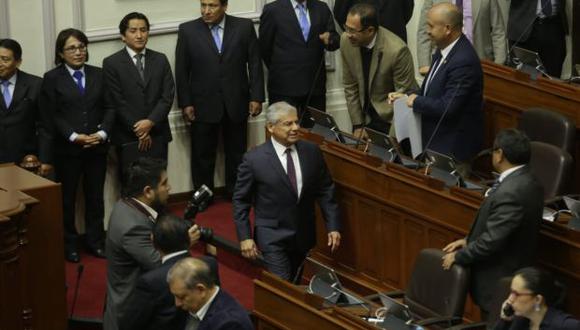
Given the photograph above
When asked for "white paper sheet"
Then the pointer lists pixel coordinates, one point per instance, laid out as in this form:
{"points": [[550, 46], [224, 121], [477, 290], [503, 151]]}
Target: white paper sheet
{"points": [[408, 125]]}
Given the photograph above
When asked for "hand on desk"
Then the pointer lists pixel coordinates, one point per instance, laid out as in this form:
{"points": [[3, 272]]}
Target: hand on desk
{"points": [[333, 240]]}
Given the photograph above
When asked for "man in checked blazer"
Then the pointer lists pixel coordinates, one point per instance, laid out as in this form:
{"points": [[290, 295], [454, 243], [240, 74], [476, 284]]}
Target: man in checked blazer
{"points": [[139, 86], [220, 82]]}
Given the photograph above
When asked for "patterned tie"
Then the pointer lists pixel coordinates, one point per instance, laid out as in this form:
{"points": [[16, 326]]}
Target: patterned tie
{"points": [[291, 170], [78, 75], [546, 7], [6, 93], [139, 65], [215, 32], [303, 19]]}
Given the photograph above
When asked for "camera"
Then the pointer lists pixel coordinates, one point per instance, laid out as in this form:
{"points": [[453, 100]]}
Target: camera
{"points": [[201, 195]]}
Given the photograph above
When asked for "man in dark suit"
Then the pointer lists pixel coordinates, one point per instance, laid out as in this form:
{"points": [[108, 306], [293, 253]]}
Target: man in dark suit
{"points": [[541, 26], [220, 81], [293, 37], [282, 179], [140, 88], [393, 14], [130, 251], [152, 306], [451, 98], [505, 232], [72, 95], [23, 130], [209, 307]]}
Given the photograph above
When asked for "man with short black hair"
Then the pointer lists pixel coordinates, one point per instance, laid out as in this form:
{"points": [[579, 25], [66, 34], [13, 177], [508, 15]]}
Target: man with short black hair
{"points": [[130, 251], [139, 86], [209, 307], [505, 233]]}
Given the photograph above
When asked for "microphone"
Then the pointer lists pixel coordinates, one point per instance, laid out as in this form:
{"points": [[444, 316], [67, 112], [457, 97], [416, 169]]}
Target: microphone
{"points": [[80, 270], [298, 274], [309, 95]]}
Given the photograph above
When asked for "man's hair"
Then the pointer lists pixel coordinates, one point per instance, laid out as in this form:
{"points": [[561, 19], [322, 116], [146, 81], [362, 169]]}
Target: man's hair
{"points": [[170, 234], [277, 110], [124, 24], [191, 271], [61, 41], [515, 145], [142, 173], [367, 13], [12, 45]]}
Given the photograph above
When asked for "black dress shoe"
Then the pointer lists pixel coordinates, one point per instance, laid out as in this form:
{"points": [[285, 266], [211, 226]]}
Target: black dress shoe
{"points": [[99, 253], [72, 256]]}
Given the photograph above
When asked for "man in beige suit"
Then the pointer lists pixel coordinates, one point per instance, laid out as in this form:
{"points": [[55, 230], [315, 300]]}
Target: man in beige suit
{"points": [[375, 63], [483, 25]]}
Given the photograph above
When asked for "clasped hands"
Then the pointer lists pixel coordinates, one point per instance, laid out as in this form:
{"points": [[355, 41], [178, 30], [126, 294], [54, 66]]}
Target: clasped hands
{"points": [[88, 141]]}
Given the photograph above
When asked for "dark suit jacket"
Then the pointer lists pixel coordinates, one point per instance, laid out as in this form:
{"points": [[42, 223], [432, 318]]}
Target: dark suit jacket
{"points": [[553, 320], [393, 14], [209, 80], [504, 235], [458, 89], [282, 221], [225, 313], [22, 126], [72, 112], [133, 99], [291, 61], [522, 14]]}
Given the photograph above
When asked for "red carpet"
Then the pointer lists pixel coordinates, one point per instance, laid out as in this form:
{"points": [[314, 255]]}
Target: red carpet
{"points": [[236, 273]]}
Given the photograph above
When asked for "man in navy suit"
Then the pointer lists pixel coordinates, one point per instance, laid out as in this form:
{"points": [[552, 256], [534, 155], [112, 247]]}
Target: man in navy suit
{"points": [[293, 37], [209, 307], [451, 98], [22, 130], [282, 179]]}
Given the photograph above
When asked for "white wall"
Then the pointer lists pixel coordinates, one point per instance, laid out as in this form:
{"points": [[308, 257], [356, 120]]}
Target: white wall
{"points": [[35, 24]]}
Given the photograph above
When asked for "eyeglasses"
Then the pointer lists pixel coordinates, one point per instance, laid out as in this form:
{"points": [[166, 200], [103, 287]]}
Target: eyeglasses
{"points": [[350, 30], [73, 49], [518, 294]]}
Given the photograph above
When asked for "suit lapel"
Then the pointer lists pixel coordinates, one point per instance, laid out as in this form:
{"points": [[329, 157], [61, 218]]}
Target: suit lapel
{"points": [[69, 81], [89, 79], [275, 163], [206, 33], [150, 60], [20, 90], [314, 18], [475, 6], [132, 69], [376, 58], [294, 19], [229, 32]]}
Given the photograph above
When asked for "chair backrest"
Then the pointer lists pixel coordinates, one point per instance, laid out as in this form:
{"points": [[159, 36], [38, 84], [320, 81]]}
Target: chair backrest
{"points": [[433, 291], [502, 291], [552, 166], [550, 127]]}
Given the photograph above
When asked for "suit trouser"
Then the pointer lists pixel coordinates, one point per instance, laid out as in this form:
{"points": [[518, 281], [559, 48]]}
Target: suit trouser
{"points": [[92, 168], [301, 102], [204, 144], [284, 264], [548, 39]]}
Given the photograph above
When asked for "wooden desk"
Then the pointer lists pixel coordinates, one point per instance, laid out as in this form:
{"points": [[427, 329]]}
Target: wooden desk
{"points": [[390, 213], [509, 92], [31, 247]]}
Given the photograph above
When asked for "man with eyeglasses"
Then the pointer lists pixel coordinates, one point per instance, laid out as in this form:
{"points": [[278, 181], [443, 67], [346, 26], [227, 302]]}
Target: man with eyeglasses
{"points": [[375, 63], [139, 86], [220, 84], [282, 179], [504, 235]]}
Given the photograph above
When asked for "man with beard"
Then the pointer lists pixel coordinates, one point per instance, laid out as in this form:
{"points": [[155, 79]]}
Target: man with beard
{"points": [[130, 250]]}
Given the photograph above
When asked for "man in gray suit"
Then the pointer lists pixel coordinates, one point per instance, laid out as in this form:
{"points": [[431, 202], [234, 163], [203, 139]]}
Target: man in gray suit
{"points": [[505, 233], [483, 25], [130, 251]]}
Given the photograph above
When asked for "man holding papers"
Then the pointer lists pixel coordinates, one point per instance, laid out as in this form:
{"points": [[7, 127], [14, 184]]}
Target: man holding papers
{"points": [[451, 98]]}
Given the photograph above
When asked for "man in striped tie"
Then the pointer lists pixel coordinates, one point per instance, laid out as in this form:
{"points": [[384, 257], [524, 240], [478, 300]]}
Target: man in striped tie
{"points": [[282, 179]]}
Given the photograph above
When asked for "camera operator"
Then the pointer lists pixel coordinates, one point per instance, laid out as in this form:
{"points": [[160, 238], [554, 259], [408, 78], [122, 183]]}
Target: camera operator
{"points": [[129, 247]]}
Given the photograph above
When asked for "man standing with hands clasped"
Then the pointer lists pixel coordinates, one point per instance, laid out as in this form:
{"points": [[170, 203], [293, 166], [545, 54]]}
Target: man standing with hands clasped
{"points": [[282, 179]]}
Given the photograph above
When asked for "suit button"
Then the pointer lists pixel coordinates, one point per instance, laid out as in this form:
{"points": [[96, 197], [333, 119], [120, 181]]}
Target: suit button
{"points": [[86, 125], [84, 113]]}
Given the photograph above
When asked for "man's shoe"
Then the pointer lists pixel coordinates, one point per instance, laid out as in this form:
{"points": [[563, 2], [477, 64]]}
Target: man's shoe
{"points": [[72, 256], [98, 252]]}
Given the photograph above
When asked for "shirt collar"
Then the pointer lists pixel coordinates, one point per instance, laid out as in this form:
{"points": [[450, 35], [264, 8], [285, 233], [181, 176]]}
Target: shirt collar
{"points": [[171, 255], [203, 310], [148, 208], [71, 71], [221, 24], [132, 53], [12, 79], [445, 51], [295, 3], [371, 45], [280, 148], [505, 173]]}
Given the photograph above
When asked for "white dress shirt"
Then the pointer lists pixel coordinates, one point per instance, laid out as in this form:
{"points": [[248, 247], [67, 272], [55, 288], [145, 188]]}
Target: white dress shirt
{"points": [[132, 53]]}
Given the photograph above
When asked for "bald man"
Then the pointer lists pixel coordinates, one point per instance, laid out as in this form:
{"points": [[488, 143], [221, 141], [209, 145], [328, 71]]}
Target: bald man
{"points": [[451, 98]]}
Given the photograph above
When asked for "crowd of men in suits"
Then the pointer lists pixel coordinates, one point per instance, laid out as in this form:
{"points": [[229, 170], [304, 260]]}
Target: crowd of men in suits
{"points": [[71, 116]]}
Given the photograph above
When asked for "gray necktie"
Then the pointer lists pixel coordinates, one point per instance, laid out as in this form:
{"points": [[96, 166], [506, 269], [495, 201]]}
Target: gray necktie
{"points": [[192, 322], [139, 65]]}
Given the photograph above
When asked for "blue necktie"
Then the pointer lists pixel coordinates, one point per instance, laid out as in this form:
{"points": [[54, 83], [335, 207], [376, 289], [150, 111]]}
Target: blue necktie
{"points": [[6, 93], [303, 19], [547, 7], [78, 75], [215, 32]]}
